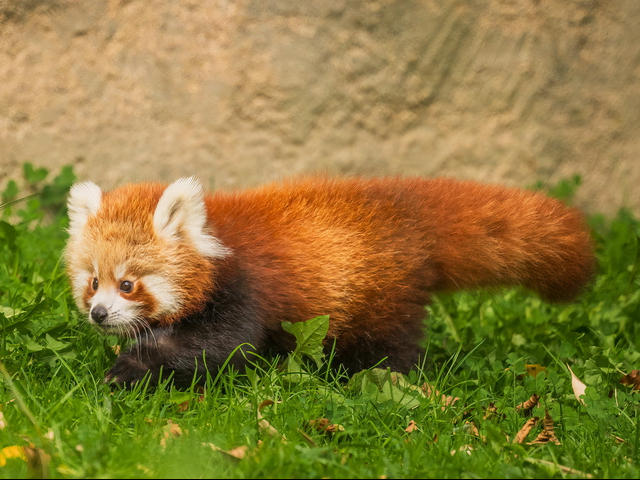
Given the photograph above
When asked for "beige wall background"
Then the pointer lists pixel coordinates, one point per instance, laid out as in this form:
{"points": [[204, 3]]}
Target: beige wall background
{"points": [[241, 92]]}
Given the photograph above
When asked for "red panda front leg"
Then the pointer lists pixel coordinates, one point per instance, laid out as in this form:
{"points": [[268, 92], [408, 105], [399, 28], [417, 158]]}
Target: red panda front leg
{"points": [[169, 360], [187, 351]]}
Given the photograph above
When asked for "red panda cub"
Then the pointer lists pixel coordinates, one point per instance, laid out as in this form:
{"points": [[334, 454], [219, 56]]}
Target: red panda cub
{"points": [[195, 278]]}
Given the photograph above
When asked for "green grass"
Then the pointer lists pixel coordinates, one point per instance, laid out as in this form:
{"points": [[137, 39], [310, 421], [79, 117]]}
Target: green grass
{"points": [[52, 397]]}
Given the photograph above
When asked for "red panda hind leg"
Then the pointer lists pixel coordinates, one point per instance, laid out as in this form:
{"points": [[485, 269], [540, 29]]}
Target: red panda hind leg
{"points": [[394, 342]]}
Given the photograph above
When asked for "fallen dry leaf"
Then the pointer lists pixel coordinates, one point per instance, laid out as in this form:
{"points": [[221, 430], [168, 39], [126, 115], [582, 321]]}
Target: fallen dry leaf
{"points": [[170, 430], [468, 449], [526, 428], [412, 427], [547, 435], [200, 392], [324, 425], [237, 453], [528, 406], [3, 422], [578, 387], [264, 425], [562, 468], [491, 411], [632, 380], [431, 392], [471, 429]]}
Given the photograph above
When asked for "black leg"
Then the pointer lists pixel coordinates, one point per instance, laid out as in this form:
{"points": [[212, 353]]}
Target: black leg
{"points": [[187, 352]]}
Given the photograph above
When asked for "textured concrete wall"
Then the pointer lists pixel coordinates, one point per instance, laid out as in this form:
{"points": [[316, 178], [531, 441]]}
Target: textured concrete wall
{"points": [[239, 92]]}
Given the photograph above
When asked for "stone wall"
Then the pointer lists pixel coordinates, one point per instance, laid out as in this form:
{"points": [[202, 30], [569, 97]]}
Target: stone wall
{"points": [[244, 91]]}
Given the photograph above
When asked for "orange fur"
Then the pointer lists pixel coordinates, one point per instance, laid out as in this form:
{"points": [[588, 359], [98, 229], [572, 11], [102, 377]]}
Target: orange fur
{"points": [[360, 249], [367, 252]]}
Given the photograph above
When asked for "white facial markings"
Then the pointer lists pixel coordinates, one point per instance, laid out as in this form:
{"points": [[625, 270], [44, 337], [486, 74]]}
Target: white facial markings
{"points": [[121, 311], [164, 292], [120, 271]]}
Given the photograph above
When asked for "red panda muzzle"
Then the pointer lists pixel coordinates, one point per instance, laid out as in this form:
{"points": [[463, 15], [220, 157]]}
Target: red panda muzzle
{"points": [[99, 314]]}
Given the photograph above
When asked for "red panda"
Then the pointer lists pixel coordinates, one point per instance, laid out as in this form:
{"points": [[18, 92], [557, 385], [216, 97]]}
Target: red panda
{"points": [[193, 277]]}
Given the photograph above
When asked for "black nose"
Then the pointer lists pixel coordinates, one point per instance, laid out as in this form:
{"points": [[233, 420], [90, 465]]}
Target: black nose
{"points": [[99, 314]]}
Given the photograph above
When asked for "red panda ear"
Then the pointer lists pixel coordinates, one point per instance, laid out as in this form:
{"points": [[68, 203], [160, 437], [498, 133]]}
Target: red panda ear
{"points": [[181, 212], [84, 201]]}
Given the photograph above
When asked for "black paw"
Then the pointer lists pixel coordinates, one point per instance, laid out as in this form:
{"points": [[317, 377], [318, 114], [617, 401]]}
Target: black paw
{"points": [[127, 372]]}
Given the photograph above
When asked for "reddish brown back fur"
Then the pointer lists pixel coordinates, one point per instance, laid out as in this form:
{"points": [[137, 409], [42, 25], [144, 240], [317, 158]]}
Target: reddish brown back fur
{"points": [[369, 252]]}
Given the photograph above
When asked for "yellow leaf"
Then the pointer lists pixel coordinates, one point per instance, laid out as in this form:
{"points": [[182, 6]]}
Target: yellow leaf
{"points": [[13, 452], [535, 369]]}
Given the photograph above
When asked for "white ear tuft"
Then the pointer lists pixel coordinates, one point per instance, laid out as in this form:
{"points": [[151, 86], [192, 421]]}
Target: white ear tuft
{"points": [[181, 209], [84, 201]]}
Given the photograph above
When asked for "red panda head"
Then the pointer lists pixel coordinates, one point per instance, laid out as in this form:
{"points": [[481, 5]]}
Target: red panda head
{"points": [[140, 255]]}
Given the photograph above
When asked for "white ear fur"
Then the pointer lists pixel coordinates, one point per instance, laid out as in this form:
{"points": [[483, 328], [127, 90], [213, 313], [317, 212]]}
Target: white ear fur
{"points": [[84, 201], [182, 208]]}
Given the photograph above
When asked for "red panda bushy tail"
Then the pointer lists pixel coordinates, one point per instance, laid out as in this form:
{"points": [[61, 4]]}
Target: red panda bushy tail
{"points": [[489, 235]]}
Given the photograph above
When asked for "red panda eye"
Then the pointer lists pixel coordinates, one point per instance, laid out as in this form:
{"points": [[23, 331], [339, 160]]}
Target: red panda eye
{"points": [[126, 286], [94, 284]]}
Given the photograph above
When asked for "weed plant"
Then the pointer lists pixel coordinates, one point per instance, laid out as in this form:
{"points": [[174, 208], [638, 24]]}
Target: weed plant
{"points": [[457, 416]]}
